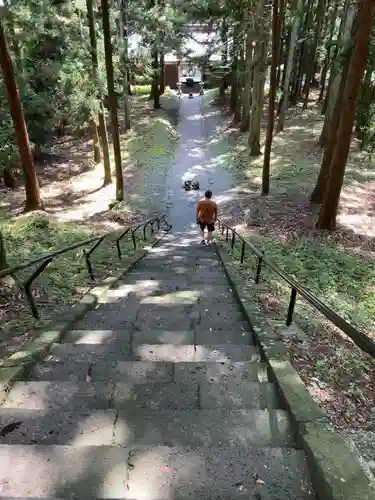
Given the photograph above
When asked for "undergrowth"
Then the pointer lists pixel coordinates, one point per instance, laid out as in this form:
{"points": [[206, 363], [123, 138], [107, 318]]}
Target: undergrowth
{"points": [[66, 279]]}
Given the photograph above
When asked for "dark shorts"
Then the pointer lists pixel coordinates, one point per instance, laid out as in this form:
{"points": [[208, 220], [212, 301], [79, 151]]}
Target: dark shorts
{"points": [[204, 225]]}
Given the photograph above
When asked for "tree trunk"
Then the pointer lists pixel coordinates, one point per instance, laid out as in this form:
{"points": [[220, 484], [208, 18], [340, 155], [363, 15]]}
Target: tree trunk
{"points": [[336, 73], [96, 143], [155, 94], [33, 198], [103, 135], [278, 9], [329, 51], [289, 65], [9, 178], [112, 101], [246, 96], [257, 99], [329, 208], [312, 66], [234, 79], [224, 42], [3, 254], [261, 33], [302, 56], [336, 51], [13, 38], [162, 74], [123, 31], [240, 81], [320, 187]]}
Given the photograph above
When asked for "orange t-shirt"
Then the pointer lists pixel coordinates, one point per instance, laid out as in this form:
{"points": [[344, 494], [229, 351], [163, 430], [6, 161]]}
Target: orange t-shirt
{"points": [[207, 211]]}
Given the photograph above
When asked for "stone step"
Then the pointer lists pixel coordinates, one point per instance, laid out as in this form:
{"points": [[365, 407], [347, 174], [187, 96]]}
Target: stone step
{"points": [[171, 395], [144, 372], [145, 426], [68, 352], [156, 473], [203, 427], [193, 353]]}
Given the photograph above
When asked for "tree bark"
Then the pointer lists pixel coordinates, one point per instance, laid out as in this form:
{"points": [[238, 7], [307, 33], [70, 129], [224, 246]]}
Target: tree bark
{"points": [[336, 72], [312, 66], [261, 33], [289, 66], [162, 74], [320, 186], [33, 198], [123, 31], [278, 9], [3, 254], [329, 208], [257, 99], [234, 79], [112, 101], [246, 95], [240, 80], [103, 134], [155, 93], [224, 42], [329, 51], [95, 140], [303, 55]]}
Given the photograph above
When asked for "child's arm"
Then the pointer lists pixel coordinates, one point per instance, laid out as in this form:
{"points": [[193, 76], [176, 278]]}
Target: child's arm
{"points": [[198, 209]]}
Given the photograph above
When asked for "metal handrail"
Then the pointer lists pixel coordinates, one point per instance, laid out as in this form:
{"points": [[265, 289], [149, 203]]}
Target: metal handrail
{"points": [[45, 260], [362, 340]]}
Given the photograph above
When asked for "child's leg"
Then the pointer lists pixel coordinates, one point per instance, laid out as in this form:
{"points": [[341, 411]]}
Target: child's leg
{"points": [[202, 227]]}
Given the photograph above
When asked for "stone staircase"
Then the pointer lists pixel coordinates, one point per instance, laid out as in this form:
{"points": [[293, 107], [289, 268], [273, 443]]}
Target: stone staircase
{"points": [[158, 394]]}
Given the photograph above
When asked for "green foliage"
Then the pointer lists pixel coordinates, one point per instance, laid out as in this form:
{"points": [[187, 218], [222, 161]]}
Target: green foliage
{"points": [[32, 236]]}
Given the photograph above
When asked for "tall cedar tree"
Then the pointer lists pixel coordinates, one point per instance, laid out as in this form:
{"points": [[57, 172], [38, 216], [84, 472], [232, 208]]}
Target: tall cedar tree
{"points": [[33, 198], [102, 123], [112, 100], [123, 32], [321, 183], [277, 20], [329, 208]]}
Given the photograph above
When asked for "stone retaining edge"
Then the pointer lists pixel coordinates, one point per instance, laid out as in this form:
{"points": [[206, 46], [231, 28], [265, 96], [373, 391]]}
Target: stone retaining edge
{"points": [[33, 350], [336, 472]]}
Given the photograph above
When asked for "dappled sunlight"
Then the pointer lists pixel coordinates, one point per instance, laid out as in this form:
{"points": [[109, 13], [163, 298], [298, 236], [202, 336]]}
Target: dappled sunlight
{"points": [[94, 429], [93, 336]]}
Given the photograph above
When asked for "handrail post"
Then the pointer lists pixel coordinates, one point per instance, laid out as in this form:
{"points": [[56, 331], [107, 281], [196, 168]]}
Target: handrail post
{"points": [[233, 239], [28, 283], [118, 242], [134, 240], [87, 256], [259, 268], [292, 303], [227, 235], [144, 231], [243, 252]]}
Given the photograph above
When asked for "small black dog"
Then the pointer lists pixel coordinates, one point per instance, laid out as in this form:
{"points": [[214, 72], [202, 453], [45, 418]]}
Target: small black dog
{"points": [[191, 185]]}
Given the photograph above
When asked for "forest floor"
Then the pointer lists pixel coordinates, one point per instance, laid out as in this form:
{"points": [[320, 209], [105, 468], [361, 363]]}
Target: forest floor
{"points": [[77, 208], [338, 267]]}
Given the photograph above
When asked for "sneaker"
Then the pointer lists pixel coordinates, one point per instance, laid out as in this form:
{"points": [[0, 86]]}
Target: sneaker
{"points": [[203, 242]]}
